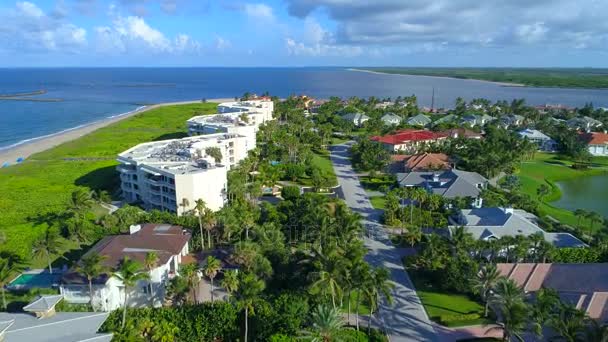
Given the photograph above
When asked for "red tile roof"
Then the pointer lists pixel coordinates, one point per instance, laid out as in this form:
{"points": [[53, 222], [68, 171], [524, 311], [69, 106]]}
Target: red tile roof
{"points": [[408, 135], [427, 161], [594, 138]]}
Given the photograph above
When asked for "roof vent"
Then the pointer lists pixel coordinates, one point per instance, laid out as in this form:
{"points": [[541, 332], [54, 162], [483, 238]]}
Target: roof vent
{"points": [[43, 306], [134, 228]]}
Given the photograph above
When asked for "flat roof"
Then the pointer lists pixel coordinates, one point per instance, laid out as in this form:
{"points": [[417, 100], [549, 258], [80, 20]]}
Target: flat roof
{"points": [[176, 156]]}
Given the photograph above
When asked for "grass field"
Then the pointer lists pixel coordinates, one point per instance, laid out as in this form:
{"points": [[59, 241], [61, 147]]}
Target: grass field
{"points": [[34, 190], [449, 309], [535, 77], [378, 202], [548, 169]]}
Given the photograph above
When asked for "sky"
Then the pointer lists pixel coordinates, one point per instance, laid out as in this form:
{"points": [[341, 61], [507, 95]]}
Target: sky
{"points": [[283, 33]]}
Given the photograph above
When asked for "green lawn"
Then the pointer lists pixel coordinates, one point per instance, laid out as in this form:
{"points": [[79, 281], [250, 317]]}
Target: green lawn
{"points": [[41, 185], [449, 309], [363, 305], [378, 202], [324, 163], [548, 169]]}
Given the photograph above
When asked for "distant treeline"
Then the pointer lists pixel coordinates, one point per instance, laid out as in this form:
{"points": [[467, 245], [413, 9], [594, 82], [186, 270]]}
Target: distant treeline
{"points": [[534, 77]]}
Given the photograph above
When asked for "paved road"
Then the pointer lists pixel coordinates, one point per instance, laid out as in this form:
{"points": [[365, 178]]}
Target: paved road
{"points": [[406, 319]]}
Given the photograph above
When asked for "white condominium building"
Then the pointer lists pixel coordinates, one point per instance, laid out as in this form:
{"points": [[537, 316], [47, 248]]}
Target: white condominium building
{"points": [[172, 174], [224, 123], [262, 105]]}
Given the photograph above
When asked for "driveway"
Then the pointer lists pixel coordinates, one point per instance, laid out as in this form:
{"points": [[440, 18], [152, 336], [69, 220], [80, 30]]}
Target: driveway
{"points": [[406, 319]]}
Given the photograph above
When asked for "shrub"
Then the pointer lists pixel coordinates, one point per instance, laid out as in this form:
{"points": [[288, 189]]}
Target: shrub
{"points": [[281, 338], [352, 335], [450, 319], [290, 193]]}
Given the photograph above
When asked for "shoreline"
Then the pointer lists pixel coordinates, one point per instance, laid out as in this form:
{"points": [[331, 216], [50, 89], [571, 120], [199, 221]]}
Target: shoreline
{"points": [[25, 148], [502, 84]]}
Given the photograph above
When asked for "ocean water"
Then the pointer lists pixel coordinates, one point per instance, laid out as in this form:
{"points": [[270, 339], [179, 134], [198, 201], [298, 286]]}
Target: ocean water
{"points": [[91, 94]]}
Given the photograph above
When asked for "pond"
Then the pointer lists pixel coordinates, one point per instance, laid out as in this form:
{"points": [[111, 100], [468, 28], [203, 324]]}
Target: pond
{"points": [[589, 193]]}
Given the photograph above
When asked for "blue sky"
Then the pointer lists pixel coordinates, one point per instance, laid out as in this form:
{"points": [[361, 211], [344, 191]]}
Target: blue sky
{"points": [[562, 33]]}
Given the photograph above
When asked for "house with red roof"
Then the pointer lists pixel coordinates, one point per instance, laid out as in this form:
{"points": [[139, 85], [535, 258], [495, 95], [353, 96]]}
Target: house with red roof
{"points": [[582, 285], [409, 140], [597, 143]]}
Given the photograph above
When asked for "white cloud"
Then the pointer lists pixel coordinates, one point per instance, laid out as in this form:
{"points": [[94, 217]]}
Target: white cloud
{"points": [[317, 42], [258, 11], [531, 33], [462, 23], [26, 27], [222, 44], [134, 34]]}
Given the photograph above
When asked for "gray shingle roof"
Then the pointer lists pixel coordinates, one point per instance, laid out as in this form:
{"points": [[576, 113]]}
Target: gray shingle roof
{"points": [[484, 223], [420, 120], [451, 184], [43, 303], [62, 327]]}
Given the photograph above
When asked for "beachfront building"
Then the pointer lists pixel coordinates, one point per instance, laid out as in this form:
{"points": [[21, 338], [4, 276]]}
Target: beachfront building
{"points": [[259, 105], [583, 286], [448, 183], [409, 140], [170, 243], [494, 223], [597, 143], [544, 142], [172, 174], [242, 124]]}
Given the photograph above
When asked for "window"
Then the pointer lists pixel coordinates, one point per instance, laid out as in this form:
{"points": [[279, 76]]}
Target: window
{"points": [[145, 290]]}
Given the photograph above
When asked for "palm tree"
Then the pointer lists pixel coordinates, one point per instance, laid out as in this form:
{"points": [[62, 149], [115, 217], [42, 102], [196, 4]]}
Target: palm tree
{"points": [[569, 323], [484, 283], [596, 332], [546, 305], [9, 265], [326, 324], [91, 266], [129, 273], [81, 200], [200, 207], [184, 204], [580, 214], [327, 276], [514, 319], [150, 262], [413, 235], [506, 292], [211, 268], [379, 285], [542, 191], [249, 289], [47, 245], [461, 240], [189, 272], [594, 218], [230, 283], [209, 222]]}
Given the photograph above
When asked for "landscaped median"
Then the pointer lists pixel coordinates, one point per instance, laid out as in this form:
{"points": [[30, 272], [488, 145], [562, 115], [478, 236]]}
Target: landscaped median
{"points": [[40, 187]]}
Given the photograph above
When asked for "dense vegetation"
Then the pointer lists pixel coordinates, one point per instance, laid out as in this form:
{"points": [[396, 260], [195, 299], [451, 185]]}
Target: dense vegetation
{"points": [[565, 78], [37, 192]]}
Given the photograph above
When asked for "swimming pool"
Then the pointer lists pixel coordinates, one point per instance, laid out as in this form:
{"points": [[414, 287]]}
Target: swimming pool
{"points": [[30, 280]]}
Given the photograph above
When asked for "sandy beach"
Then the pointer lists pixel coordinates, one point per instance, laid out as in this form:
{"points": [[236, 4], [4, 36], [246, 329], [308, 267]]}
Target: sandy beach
{"points": [[25, 150], [503, 84]]}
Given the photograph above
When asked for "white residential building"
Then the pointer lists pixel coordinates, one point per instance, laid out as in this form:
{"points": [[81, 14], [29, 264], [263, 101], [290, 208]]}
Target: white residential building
{"points": [[226, 123], [170, 243], [172, 174], [544, 142], [263, 106]]}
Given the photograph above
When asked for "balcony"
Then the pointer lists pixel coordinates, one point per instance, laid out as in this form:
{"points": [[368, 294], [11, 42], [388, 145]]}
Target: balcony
{"points": [[126, 168]]}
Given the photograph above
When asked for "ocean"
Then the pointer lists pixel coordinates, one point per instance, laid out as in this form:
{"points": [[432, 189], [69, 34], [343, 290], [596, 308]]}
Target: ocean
{"points": [[79, 96]]}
